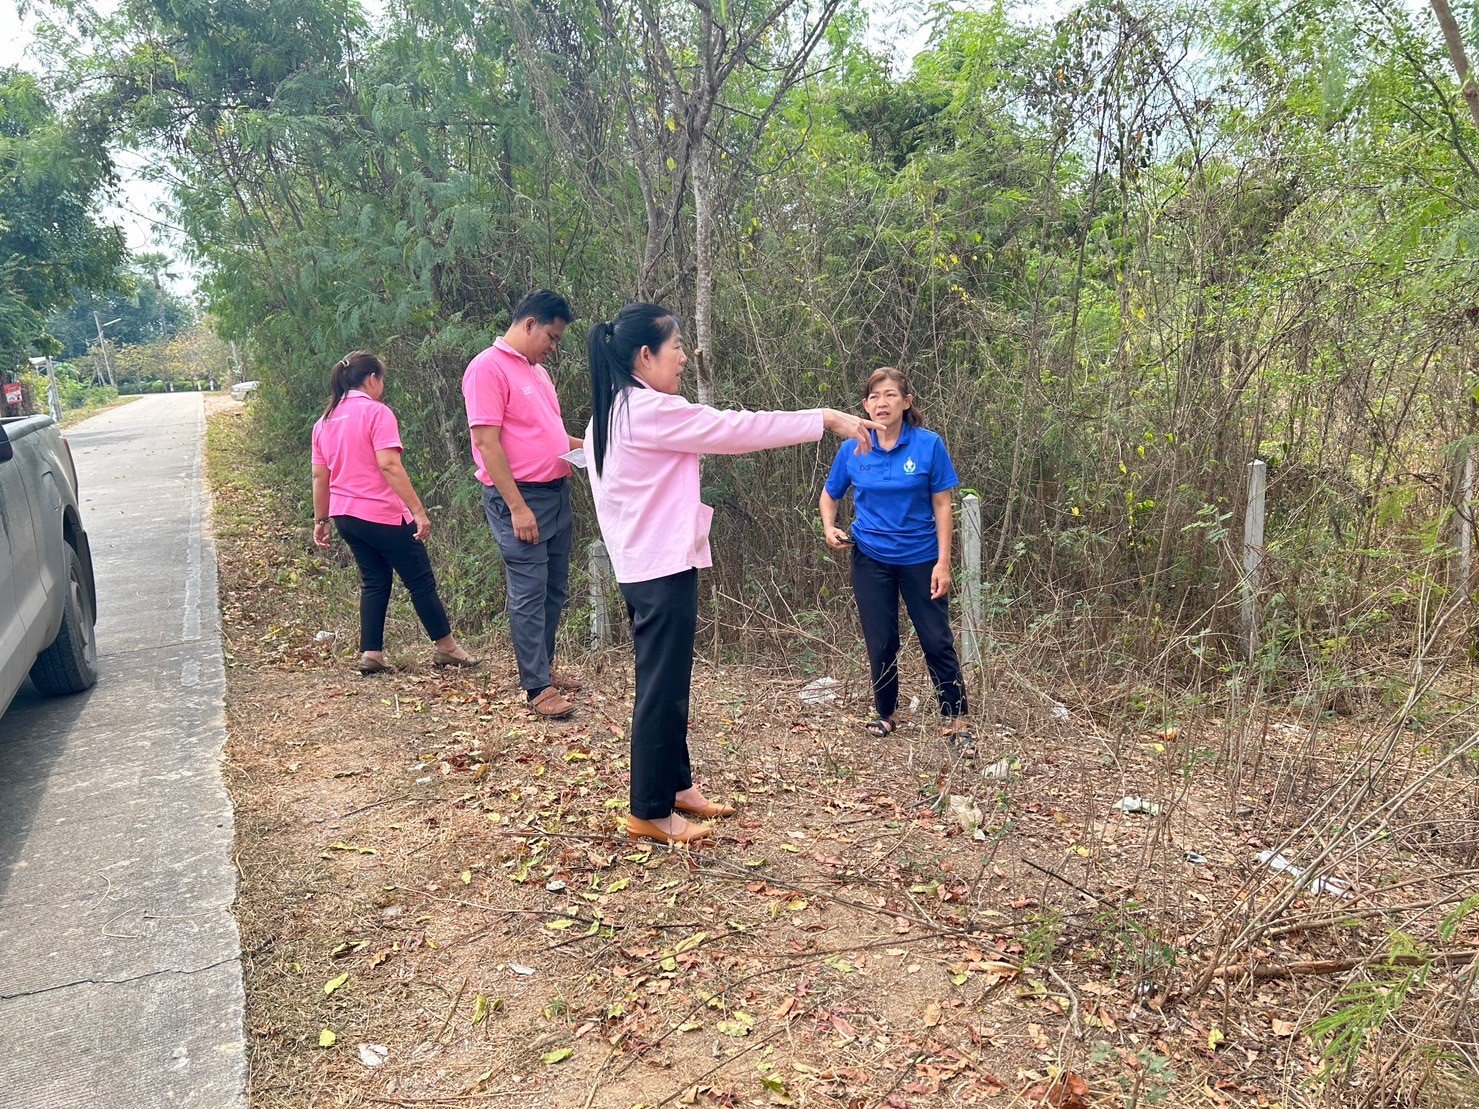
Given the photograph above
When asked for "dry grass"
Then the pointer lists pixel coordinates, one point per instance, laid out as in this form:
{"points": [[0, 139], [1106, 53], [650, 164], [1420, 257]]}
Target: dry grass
{"points": [[73, 416], [845, 941]]}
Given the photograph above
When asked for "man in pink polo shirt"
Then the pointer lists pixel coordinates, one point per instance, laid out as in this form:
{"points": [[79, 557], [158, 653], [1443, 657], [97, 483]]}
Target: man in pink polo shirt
{"points": [[518, 436]]}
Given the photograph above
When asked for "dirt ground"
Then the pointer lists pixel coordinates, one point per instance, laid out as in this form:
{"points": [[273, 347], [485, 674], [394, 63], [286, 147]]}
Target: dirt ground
{"points": [[438, 905]]}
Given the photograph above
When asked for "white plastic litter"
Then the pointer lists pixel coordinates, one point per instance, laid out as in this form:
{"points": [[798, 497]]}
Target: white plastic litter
{"points": [[554, 886], [1060, 712], [519, 968], [999, 769], [1137, 804], [1195, 859], [1332, 886], [372, 1055], [823, 691], [324, 637], [965, 812], [576, 457]]}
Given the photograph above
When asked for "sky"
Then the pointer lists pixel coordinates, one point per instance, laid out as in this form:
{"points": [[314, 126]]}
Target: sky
{"points": [[137, 206]]}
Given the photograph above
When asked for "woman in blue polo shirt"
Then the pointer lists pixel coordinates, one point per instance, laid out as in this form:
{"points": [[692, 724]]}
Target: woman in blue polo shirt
{"points": [[901, 534]]}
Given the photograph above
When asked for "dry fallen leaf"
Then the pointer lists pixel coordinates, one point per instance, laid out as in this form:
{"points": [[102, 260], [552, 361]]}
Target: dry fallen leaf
{"points": [[340, 845], [1069, 1091]]}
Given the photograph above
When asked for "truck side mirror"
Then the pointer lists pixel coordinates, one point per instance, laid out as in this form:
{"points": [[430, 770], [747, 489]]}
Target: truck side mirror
{"points": [[7, 452]]}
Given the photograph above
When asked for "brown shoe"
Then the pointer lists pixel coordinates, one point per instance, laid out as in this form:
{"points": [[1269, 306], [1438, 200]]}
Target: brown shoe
{"points": [[637, 828], [708, 810], [551, 704], [368, 665], [566, 683], [440, 659]]}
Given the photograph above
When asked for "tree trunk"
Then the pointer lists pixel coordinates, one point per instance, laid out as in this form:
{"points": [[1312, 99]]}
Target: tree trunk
{"points": [[1455, 41], [703, 294]]}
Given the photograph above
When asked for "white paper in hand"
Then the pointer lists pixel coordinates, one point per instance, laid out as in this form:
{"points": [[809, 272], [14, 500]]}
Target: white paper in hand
{"points": [[576, 457]]}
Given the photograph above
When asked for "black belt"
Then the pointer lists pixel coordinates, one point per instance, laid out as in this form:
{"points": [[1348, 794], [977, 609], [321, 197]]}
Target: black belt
{"points": [[557, 483]]}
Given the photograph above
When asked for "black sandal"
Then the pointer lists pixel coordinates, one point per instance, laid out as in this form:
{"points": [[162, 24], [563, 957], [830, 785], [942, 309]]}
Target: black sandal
{"points": [[962, 739], [881, 728]]}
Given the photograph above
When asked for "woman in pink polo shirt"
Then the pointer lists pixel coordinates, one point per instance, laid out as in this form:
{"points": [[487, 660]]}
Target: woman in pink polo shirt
{"points": [[643, 445], [359, 482]]}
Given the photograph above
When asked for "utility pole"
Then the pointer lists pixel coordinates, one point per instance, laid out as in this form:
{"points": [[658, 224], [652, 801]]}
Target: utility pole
{"points": [[53, 398], [103, 343]]}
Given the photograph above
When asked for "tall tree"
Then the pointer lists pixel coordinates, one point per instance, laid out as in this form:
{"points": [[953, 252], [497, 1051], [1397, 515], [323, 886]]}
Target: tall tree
{"points": [[691, 132], [1453, 38], [140, 311], [54, 172]]}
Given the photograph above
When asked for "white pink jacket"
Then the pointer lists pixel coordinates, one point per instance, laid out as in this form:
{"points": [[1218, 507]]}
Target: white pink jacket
{"points": [[647, 499]]}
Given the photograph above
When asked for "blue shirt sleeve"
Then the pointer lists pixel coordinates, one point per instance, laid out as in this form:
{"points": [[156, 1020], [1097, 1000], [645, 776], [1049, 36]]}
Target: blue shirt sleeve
{"points": [[838, 482], [942, 473]]}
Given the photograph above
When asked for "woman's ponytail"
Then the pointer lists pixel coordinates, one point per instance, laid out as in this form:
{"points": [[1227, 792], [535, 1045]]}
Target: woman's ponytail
{"points": [[350, 372], [604, 373], [612, 350]]}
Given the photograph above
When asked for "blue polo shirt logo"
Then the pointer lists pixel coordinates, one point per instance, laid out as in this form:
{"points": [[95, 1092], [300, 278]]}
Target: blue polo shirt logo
{"points": [[893, 517]]}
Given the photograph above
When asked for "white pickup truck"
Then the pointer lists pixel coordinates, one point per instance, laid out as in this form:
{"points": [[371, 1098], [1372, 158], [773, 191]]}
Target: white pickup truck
{"points": [[47, 595]]}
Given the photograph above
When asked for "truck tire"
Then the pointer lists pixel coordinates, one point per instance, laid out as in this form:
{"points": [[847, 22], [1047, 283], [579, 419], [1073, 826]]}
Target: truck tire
{"points": [[70, 664]]}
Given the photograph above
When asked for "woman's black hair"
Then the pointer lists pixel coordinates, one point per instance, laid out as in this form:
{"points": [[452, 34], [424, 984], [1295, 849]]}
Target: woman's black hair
{"points": [[613, 349], [350, 373]]}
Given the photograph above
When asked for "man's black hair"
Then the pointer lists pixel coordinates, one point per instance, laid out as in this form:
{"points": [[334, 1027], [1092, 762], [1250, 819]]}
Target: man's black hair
{"points": [[545, 306]]}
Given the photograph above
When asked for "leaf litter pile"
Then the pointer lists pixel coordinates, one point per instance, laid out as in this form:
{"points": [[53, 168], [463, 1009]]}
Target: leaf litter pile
{"points": [[438, 904]]}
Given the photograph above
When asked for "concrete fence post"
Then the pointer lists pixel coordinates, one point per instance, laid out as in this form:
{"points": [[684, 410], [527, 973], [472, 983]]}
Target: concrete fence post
{"points": [[971, 622], [1463, 524], [1253, 554], [600, 583]]}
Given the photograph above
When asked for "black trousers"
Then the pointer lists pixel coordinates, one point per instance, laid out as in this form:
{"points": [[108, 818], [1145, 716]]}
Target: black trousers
{"points": [[664, 616], [379, 549], [878, 586]]}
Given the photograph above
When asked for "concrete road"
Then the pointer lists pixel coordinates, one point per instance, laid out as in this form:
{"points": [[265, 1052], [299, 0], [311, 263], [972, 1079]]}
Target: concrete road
{"points": [[120, 981]]}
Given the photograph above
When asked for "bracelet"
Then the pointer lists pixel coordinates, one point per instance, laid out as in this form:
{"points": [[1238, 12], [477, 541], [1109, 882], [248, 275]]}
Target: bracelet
{"points": [[321, 520]]}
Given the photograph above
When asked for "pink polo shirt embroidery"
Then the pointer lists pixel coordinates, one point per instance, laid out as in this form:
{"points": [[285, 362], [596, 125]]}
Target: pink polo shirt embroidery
{"points": [[346, 441], [647, 497], [504, 389]]}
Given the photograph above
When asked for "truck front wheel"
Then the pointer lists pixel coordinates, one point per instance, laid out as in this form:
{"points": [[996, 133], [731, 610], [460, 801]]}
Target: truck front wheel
{"points": [[70, 664]]}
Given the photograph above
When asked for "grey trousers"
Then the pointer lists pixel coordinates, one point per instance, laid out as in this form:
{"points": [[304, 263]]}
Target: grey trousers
{"points": [[537, 575]]}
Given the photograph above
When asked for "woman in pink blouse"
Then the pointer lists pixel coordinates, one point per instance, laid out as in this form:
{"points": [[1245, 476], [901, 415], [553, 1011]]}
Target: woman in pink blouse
{"points": [[643, 445], [359, 483]]}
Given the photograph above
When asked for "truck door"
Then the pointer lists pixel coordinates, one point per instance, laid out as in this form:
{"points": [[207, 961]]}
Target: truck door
{"points": [[16, 653]]}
